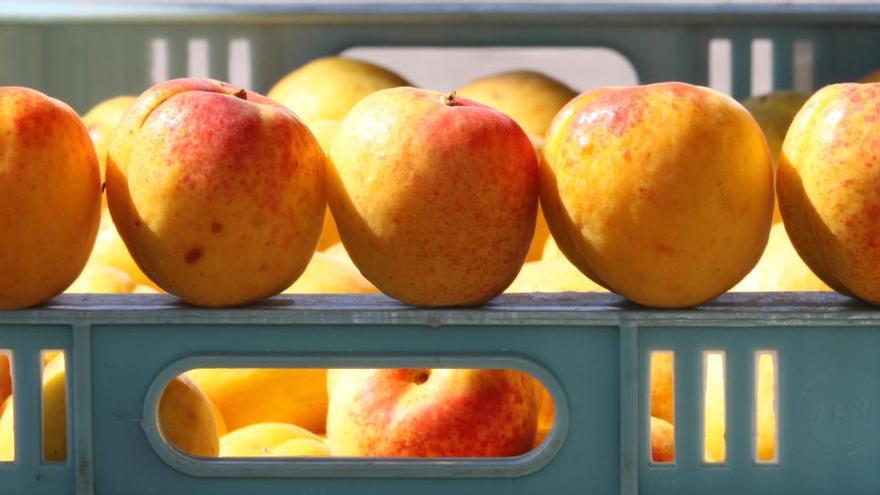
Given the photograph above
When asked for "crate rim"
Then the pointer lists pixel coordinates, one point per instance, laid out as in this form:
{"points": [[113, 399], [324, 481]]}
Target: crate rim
{"points": [[582, 309], [709, 14]]}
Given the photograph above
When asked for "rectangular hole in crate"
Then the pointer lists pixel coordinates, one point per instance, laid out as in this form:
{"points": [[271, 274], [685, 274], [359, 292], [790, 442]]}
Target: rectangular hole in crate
{"points": [[714, 414], [762, 66], [766, 407], [802, 66], [662, 402], [446, 68], [54, 406], [240, 64], [721, 65], [306, 412], [197, 61], [7, 431], [158, 60]]}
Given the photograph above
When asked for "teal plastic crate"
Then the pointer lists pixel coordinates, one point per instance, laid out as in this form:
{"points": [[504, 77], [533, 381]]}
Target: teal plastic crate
{"points": [[591, 351]]}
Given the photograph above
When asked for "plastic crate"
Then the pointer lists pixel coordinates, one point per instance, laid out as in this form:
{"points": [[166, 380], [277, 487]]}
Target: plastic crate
{"points": [[590, 350]]}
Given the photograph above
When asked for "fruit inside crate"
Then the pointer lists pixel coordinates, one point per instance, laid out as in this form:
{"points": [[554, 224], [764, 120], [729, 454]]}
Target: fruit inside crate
{"points": [[743, 405]]}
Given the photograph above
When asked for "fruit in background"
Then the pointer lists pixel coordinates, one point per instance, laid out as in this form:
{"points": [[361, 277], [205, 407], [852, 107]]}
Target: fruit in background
{"points": [[237, 217], [827, 186], [329, 275], [187, 420], [546, 414], [551, 250], [111, 250], [431, 413], [662, 441], [327, 88], [97, 278], [247, 396], [663, 386], [871, 77], [780, 269], [662, 193], [50, 197], [272, 440], [184, 417], [101, 120], [5, 377], [552, 275], [531, 99], [435, 196], [54, 416], [774, 113], [325, 131]]}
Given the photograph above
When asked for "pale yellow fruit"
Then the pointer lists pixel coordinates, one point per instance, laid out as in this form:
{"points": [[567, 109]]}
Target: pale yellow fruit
{"points": [[327, 88], [246, 396], [186, 419], [101, 120], [324, 131], [774, 113], [261, 440], [328, 275], [552, 275], [299, 447], [54, 416], [530, 98], [97, 278], [111, 250], [780, 269]]}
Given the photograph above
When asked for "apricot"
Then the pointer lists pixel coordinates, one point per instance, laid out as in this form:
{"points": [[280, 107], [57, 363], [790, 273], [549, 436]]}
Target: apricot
{"points": [[435, 196], [662, 193], [327, 88], [217, 192], [532, 100], [50, 197], [827, 184]]}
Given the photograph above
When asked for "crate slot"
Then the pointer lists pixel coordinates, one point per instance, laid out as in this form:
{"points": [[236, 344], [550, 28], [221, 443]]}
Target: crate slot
{"points": [[445, 68], [721, 65], [197, 61], [714, 408], [762, 66], [158, 60], [662, 407], [7, 432], [240, 64], [540, 450], [766, 407], [803, 63], [54, 400]]}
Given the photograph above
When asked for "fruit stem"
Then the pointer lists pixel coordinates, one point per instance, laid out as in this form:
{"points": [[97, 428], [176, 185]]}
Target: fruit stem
{"points": [[240, 93], [449, 99]]}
